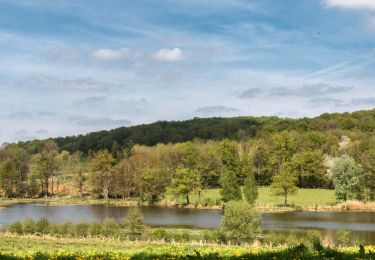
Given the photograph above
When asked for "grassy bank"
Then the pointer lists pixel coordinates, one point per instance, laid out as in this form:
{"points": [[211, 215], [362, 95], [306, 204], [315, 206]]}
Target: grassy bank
{"points": [[305, 199], [33, 247]]}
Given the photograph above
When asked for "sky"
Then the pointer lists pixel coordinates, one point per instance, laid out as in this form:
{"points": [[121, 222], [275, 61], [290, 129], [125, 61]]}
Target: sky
{"points": [[72, 67]]}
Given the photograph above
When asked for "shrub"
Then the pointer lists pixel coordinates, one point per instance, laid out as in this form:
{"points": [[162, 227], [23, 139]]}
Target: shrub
{"points": [[67, 229], [42, 225], [28, 226], [162, 234], [15, 227], [220, 236], [314, 238], [185, 236], [240, 222], [81, 230], [95, 229], [110, 228], [55, 229]]}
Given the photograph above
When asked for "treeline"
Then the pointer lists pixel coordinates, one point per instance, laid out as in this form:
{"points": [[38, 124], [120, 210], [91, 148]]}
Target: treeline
{"points": [[285, 160], [238, 128]]}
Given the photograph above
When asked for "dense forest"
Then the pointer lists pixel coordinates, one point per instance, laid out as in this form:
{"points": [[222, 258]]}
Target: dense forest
{"points": [[237, 128], [181, 158]]}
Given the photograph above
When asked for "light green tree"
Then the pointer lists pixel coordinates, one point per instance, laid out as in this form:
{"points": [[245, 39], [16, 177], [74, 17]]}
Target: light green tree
{"points": [[348, 178], [185, 181], [284, 183], [101, 165]]}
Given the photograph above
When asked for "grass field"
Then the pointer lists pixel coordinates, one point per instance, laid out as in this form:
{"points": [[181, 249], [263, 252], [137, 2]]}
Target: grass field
{"points": [[307, 198], [33, 247], [303, 198]]}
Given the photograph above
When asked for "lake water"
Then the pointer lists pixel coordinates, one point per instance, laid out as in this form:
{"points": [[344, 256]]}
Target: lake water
{"points": [[361, 224]]}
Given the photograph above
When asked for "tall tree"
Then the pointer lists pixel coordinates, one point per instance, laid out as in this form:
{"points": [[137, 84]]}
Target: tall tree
{"points": [[309, 168], [46, 163], [101, 166], [284, 183], [368, 163], [250, 188], [230, 188], [152, 183], [348, 178], [79, 171], [185, 181]]}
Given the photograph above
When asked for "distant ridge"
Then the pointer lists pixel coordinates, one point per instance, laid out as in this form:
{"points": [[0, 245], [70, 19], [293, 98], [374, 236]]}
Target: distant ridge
{"points": [[210, 129]]}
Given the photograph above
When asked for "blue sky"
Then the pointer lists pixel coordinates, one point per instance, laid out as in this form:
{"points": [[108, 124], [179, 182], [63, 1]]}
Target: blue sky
{"points": [[70, 67]]}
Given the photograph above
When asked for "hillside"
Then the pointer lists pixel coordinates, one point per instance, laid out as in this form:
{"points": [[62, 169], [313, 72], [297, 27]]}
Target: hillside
{"points": [[234, 128]]}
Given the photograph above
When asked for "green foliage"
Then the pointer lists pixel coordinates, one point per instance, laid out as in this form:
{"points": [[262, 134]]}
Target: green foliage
{"points": [[250, 189], [134, 221], [81, 230], [42, 225], [101, 165], [284, 183], [15, 227], [28, 226], [240, 222], [67, 229], [347, 178], [110, 228], [162, 234], [230, 188], [95, 229], [309, 168], [185, 181]]}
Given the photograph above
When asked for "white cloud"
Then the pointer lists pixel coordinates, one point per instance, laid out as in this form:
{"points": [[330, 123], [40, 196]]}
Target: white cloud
{"points": [[109, 54], [169, 55], [351, 4]]}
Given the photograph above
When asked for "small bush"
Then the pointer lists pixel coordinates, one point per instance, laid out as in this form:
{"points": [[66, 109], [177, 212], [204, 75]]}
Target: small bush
{"points": [[110, 228], [42, 225], [28, 226], [219, 236], [95, 229], [67, 229], [55, 229], [162, 234], [81, 230], [185, 236], [15, 227]]}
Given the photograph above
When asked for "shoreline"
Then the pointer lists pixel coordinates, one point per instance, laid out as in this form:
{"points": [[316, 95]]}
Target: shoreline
{"points": [[350, 206]]}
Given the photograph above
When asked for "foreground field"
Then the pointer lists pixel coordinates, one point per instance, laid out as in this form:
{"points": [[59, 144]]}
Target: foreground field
{"points": [[32, 247]]}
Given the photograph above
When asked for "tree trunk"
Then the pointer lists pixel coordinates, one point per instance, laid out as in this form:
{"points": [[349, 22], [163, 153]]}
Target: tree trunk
{"points": [[286, 199], [53, 183], [187, 199], [46, 187]]}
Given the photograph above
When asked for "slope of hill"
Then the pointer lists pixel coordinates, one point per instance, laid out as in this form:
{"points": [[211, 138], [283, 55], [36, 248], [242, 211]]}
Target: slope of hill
{"points": [[211, 129]]}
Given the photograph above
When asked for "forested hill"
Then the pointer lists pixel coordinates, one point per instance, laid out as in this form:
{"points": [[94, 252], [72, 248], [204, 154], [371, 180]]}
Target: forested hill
{"points": [[210, 129]]}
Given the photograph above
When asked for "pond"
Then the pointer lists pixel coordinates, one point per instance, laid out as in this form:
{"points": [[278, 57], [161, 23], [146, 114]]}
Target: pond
{"points": [[361, 224]]}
